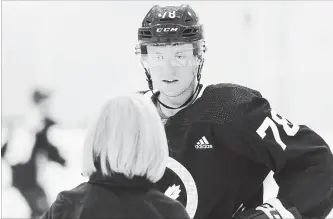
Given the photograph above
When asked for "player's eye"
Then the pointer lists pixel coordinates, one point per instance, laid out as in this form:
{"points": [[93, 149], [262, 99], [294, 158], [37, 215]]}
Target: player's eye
{"points": [[180, 57], [159, 57]]}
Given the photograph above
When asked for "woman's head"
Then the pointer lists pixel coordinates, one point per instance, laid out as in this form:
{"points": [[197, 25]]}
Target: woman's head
{"points": [[129, 138]]}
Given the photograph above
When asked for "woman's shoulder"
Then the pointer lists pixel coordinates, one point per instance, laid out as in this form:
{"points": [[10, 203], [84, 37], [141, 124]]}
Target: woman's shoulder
{"points": [[69, 196], [65, 201]]}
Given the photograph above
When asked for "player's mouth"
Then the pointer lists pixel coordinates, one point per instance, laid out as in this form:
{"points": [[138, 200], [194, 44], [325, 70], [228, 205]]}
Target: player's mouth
{"points": [[170, 81]]}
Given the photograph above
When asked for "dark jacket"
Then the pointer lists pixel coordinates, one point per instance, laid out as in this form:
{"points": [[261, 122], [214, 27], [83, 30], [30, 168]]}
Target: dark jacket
{"points": [[115, 197]]}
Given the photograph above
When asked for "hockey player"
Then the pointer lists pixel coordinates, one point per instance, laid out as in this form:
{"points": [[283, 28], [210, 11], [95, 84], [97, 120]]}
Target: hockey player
{"points": [[224, 139]]}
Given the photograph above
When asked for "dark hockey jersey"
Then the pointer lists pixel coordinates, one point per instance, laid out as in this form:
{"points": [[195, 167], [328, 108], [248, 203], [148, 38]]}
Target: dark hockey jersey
{"points": [[223, 146]]}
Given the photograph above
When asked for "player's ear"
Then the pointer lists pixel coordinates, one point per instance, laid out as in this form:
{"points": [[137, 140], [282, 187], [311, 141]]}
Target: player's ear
{"points": [[199, 60], [202, 60]]}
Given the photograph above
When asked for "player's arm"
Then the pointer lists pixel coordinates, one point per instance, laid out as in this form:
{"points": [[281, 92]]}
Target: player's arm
{"points": [[54, 155], [301, 160], [51, 150]]}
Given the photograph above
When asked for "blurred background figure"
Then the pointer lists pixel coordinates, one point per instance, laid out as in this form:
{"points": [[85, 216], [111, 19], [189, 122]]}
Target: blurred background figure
{"points": [[26, 147]]}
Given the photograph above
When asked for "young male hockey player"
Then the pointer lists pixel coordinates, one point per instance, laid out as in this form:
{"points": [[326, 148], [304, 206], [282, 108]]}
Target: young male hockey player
{"points": [[225, 138]]}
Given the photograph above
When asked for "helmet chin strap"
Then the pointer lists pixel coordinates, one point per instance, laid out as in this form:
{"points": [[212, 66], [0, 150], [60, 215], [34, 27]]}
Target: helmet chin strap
{"points": [[197, 89]]}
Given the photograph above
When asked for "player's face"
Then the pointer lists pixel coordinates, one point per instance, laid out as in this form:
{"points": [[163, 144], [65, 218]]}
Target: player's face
{"points": [[172, 68]]}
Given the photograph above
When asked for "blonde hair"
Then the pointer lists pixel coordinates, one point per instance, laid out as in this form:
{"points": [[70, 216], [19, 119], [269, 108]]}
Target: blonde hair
{"points": [[129, 138]]}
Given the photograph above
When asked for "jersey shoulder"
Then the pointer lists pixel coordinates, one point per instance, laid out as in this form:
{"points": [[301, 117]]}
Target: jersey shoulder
{"points": [[230, 93], [224, 102]]}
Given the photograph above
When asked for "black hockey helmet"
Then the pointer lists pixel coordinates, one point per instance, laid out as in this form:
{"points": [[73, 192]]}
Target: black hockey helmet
{"points": [[170, 24]]}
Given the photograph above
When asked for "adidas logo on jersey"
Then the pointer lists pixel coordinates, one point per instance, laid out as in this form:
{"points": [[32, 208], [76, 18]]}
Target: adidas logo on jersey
{"points": [[203, 144]]}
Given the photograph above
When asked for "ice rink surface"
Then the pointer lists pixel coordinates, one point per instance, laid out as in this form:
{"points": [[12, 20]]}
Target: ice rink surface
{"points": [[55, 178]]}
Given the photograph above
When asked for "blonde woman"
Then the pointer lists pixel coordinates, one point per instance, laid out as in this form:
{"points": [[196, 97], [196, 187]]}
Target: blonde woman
{"points": [[125, 153]]}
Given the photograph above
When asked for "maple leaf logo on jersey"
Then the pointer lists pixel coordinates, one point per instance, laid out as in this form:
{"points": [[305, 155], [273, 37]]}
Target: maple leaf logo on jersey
{"points": [[173, 191], [178, 184]]}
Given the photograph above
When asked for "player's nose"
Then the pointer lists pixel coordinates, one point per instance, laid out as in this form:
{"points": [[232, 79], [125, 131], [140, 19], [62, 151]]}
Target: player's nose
{"points": [[169, 70], [169, 67]]}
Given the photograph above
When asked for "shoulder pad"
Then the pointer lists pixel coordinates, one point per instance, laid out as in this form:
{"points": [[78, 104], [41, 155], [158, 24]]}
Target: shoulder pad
{"points": [[222, 103]]}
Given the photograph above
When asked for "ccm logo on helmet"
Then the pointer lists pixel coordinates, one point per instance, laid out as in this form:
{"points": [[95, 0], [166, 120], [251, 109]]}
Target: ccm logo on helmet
{"points": [[167, 29]]}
